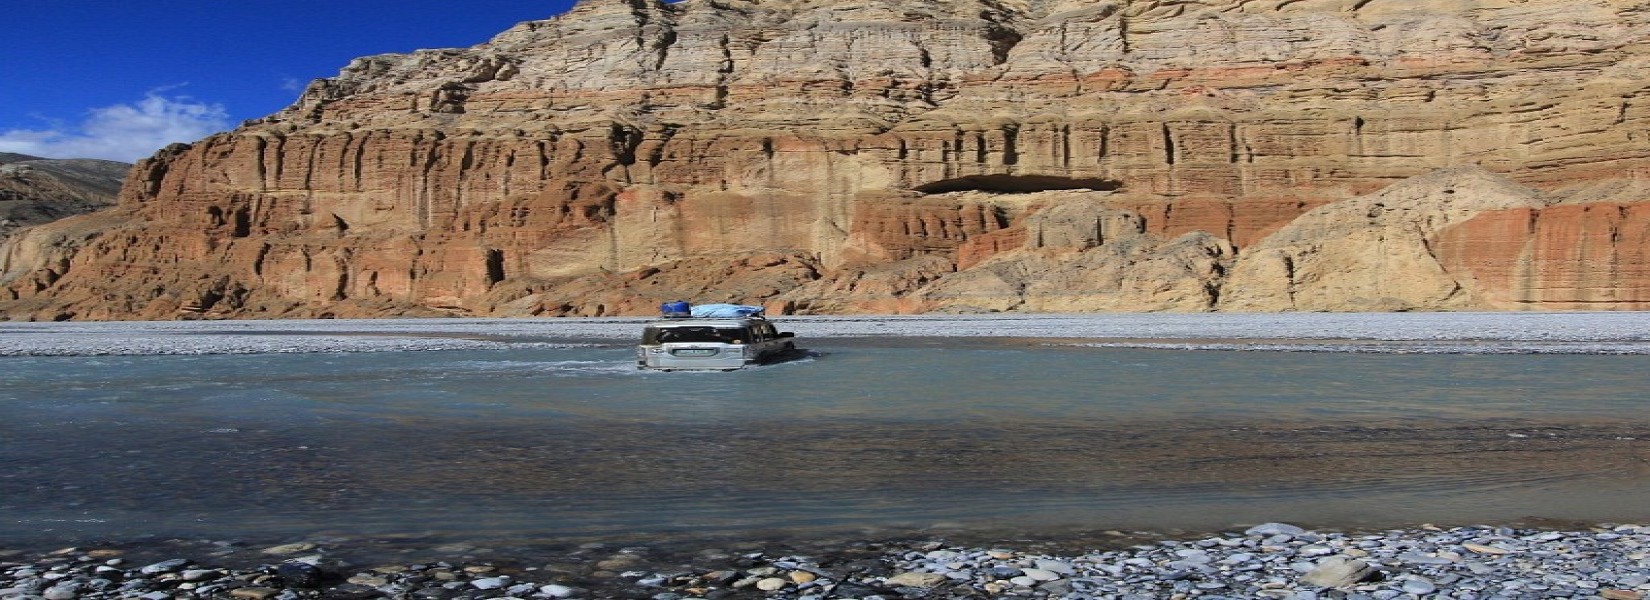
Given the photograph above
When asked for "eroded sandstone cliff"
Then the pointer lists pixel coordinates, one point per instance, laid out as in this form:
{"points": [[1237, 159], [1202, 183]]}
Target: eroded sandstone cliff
{"points": [[911, 156]]}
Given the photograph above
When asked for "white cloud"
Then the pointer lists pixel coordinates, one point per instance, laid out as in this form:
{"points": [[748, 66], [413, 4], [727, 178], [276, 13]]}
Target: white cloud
{"points": [[124, 132]]}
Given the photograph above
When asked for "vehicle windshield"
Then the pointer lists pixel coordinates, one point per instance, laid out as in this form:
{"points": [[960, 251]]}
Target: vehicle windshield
{"points": [[665, 335]]}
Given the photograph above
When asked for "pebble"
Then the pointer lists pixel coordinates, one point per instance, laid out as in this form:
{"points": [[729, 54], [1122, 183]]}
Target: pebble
{"points": [[1039, 574], [199, 574], [1054, 566], [286, 549], [1419, 586], [555, 590], [1273, 561], [920, 580], [1424, 559], [1273, 529], [368, 580], [1485, 549], [1339, 571], [254, 593], [1314, 550], [164, 566]]}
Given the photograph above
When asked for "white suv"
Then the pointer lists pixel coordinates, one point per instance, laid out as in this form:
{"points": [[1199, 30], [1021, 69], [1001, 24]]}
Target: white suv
{"points": [[726, 344]]}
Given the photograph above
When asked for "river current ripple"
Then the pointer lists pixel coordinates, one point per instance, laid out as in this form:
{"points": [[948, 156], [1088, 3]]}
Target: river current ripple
{"points": [[544, 436]]}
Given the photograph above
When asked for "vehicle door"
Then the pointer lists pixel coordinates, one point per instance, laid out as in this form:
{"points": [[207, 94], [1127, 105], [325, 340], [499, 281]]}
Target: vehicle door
{"points": [[765, 332]]}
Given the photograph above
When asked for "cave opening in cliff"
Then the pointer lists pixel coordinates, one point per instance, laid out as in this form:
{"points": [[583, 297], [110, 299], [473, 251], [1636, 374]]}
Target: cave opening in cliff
{"points": [[1017, 184], [495, 266]]}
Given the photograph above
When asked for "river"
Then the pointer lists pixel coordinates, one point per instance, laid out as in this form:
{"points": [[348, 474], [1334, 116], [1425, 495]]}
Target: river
{"points": [[541, 438]]}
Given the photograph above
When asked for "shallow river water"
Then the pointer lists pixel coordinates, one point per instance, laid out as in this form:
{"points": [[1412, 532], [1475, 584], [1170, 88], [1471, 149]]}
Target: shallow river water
{"points": [[986, 435]]}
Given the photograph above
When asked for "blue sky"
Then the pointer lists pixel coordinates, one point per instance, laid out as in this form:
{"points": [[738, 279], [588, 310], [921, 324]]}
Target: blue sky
{"points": [[120, 79]]}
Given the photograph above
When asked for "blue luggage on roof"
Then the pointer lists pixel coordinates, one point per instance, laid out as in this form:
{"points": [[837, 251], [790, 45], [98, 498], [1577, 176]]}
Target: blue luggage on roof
{"points": [[677, 309]]}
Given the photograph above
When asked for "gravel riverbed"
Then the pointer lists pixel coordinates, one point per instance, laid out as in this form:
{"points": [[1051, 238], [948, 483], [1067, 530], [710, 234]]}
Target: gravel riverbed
{"points": [[1268, 561]]}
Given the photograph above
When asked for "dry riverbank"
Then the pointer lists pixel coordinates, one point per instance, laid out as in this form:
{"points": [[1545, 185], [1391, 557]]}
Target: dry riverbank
{"points": [[1602, 332]]}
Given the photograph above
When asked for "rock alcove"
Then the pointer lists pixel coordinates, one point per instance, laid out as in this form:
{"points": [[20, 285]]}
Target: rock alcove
{"points": [[1017, 184]]}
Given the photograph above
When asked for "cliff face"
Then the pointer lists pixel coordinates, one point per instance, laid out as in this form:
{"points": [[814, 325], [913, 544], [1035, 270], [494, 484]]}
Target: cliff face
{"points": [[910, 156]]}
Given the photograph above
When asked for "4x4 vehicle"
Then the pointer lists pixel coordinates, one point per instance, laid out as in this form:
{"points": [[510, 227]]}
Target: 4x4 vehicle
{"points": [[711, 343]]}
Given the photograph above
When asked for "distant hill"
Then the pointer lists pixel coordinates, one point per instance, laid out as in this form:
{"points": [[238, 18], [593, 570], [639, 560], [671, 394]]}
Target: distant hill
{"points": [[36, 190]]}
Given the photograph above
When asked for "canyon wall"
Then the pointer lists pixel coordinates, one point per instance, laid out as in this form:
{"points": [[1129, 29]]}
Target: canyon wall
{"points": [[904, 156]]}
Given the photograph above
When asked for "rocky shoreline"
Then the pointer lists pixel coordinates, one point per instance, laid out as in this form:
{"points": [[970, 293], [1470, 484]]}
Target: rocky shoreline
{"points": [[1270, 561]]}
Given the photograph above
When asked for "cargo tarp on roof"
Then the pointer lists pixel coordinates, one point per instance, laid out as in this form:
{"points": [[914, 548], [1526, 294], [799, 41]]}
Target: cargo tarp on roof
{"points": [[724, 311]]}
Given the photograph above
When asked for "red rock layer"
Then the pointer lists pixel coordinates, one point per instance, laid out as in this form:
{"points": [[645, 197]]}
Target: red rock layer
{"points": [[1576, 256]]}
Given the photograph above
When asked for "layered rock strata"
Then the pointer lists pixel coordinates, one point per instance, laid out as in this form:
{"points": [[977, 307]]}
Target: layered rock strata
{"points": [[912, 156]]}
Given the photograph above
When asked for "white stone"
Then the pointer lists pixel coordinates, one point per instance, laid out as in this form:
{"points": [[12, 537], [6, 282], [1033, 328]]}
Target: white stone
{"points": [[556, 591], [1057, 566], [1040, 574], [1338, 571], [1271, 529], [165, 566], [1315, 550], [1419, 586]]}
